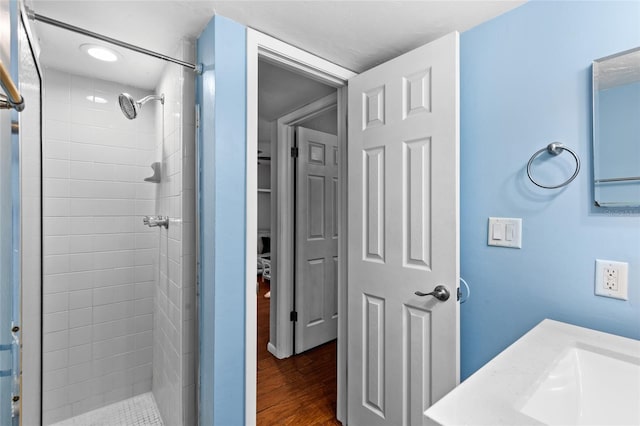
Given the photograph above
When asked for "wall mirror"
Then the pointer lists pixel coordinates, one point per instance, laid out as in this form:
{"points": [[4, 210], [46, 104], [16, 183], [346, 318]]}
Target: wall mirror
{"points": [[616, 129]]}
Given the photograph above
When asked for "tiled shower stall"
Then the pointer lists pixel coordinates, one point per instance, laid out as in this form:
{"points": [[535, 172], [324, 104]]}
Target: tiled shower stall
{"points": [[119, 297]]}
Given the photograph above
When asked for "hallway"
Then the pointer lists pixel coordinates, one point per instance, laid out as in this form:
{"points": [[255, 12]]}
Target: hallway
{"points": [[300, 390]]}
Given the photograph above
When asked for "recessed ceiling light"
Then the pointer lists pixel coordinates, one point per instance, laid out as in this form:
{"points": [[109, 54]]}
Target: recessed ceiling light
{"points": [[96, 99], [101, 53]]}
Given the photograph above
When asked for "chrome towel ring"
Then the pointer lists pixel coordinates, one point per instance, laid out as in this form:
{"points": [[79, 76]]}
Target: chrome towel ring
{"points": [[554, 148]]}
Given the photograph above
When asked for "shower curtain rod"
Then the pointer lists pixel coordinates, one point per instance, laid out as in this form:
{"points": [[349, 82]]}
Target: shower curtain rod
{"points": [[44, 19]]}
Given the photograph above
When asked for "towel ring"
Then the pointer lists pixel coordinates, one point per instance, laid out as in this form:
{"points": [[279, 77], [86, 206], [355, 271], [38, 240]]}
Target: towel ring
{"points": [[554, 148]]}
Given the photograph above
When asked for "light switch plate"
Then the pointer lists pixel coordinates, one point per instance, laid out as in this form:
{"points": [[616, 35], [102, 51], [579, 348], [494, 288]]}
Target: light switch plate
{"points": [[505, 232]]}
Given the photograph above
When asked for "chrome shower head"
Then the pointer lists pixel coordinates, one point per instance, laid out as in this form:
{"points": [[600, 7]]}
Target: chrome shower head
{"points": [[130, 107]]}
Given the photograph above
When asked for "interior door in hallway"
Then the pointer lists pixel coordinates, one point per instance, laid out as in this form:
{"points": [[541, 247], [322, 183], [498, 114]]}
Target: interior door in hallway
{"points": [[316, 283], [403, 349]]}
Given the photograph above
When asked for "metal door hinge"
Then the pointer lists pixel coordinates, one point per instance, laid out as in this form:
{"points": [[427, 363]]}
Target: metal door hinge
{"points": [[15, 369], [295, 152], [293, 316], [15, 406], [459, 293]]}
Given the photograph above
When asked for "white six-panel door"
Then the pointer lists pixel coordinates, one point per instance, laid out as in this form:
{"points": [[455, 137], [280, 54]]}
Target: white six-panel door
{"points": [[317, 194], [403, 350]]}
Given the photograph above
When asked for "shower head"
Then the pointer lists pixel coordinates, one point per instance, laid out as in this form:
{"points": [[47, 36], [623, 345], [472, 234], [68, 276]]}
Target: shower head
{"points": [[130, 107]]}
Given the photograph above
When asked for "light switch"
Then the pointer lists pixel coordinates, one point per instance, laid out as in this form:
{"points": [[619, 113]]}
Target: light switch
{"points": [[509, 232], [505, 232], [498, 231]]}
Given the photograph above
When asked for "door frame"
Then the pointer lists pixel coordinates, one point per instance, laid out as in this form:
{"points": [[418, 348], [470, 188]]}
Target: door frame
{"points": [[282, 223], [261, 46]]}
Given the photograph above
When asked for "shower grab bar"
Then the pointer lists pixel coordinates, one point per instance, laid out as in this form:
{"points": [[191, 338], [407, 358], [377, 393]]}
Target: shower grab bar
{"points": [[13, 98]]}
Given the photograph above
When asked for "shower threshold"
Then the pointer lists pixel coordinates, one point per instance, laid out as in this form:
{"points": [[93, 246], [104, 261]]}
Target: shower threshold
{"points": [[140, 410]]}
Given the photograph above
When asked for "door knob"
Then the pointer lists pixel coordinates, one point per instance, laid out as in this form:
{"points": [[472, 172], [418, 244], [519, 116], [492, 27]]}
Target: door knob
{"points": [[440, 292]]}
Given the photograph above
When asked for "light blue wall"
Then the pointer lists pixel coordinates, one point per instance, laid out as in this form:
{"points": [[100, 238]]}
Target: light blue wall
{"points": [[525, 82], [618, 131], [221, 93]]}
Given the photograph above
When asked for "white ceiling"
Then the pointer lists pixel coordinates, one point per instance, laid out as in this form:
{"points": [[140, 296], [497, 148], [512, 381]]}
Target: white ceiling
{"points": [[280, 92], [361, 34], [153, 25], [283, 91], [354, 34]]}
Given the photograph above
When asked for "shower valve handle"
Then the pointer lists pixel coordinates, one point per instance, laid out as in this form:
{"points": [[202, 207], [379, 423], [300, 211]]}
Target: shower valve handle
{"points": [[153, 221]]}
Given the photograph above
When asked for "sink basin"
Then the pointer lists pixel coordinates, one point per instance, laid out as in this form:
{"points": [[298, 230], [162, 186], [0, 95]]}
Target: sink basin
{"points": [[588, 386], [556, 374]]}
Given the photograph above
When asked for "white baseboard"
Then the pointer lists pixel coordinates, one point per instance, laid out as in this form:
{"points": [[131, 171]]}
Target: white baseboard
{"points": [[274, 351]]}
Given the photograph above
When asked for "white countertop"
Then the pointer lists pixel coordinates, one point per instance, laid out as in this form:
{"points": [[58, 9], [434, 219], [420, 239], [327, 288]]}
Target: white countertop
{"points": [[496, 393]]}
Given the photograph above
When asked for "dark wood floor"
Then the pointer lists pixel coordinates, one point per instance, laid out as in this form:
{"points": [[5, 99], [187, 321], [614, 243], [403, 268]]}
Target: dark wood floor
{"points": [[300, 390]]}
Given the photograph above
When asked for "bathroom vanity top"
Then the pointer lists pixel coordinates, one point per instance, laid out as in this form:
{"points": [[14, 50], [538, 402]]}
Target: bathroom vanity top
{"points": [[557, 373]]}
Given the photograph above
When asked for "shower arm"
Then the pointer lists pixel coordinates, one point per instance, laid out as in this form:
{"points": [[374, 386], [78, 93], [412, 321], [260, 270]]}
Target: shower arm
{"points": [[151, 98]]}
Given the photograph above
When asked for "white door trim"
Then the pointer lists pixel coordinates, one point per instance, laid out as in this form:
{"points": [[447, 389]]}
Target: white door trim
{"points": [[283, 212], [268, 48]]}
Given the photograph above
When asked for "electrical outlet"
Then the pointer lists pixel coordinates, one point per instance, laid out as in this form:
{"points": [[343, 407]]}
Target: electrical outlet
{"points": [[611, 279]]}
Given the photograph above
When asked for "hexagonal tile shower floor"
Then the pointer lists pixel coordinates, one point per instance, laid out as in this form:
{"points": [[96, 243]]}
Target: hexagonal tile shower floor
{"points": [[140, 410]]}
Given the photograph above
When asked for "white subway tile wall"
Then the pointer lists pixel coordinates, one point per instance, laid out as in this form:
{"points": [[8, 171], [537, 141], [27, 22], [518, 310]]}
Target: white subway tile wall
{"points": [[99, 259], [175, 328], [119, 298]]}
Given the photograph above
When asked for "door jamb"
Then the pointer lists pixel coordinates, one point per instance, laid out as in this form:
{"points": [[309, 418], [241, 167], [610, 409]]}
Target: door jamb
{"points": [[284, 55]]}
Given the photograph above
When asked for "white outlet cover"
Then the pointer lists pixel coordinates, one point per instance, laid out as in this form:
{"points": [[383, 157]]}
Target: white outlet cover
{"points": [[622, 269]]}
